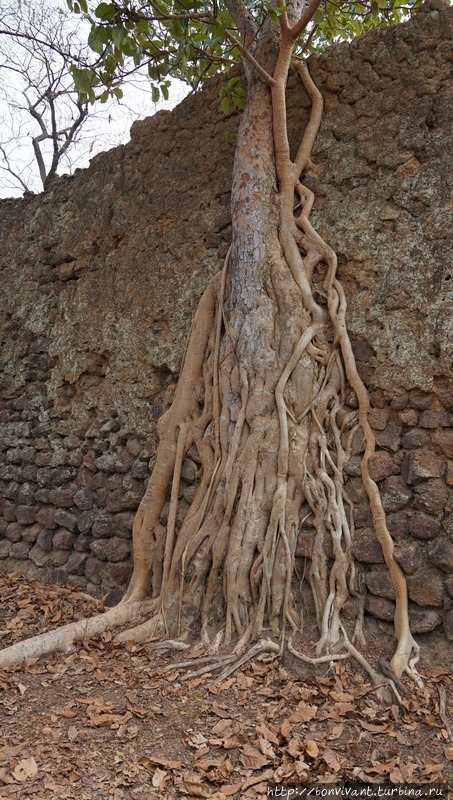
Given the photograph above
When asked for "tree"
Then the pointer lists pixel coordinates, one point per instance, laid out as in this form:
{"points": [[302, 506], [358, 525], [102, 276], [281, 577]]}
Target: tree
{"points": [[46, 124], [261, 394]]}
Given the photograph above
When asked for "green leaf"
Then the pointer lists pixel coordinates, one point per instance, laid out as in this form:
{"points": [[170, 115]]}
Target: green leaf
{"points": [[82, 79], [225, 106], [105, 11], [95, 41], [155, 94]]}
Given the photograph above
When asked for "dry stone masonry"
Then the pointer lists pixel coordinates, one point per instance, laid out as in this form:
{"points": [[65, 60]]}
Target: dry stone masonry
{"points": [[101, 275]]}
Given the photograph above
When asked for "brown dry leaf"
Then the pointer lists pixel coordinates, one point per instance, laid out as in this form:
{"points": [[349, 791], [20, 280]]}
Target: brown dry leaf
{"points": [[286, 728], [396, 776], [230, 789], [21, 688], [137, 711], [311, 748], [368, 726], [254, 779], [266, 748], [193, 785], [432, 767], [303, 714], [26, 768], [448, 752], [295, 747], [345, 708], [336, 732], [67, 711], [5, 776], [149, 762], [302, 769], [222, 725], [251, 758], [72, 733], [331, 759], [222, 711], [266, 733], [159, 777], [236, 740], [211, 762]]}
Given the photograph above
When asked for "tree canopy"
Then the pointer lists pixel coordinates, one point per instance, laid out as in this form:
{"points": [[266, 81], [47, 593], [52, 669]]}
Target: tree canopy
{"points": [[193, 40]]}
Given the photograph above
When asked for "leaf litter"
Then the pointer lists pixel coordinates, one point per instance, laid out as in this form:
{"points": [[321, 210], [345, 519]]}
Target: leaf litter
{"points": [[112, 721]]}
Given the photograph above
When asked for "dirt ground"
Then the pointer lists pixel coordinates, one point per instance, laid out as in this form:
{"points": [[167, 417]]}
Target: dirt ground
{"points": [[122, 723]]}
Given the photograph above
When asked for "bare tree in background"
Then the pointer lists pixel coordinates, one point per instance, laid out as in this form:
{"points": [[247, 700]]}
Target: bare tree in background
{"points": [[46, 126]]}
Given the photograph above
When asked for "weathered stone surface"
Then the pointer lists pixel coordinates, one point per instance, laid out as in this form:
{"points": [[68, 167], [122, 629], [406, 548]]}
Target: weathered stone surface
{"points": [[421, 465], [443, 438], [366, 548], [441, 554], [44, 540], [114, 549], [395, 494], [423, 526], [63, 540], [426, 588], [382, 465], [31, 533], [430, 496], [448, 625], [39, 556], [378, 582], [75, 562], [26, 515], [65, 519], [409, 556]]}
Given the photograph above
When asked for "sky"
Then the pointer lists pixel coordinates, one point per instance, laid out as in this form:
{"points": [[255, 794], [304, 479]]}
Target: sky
{"points": [[107, 127]]}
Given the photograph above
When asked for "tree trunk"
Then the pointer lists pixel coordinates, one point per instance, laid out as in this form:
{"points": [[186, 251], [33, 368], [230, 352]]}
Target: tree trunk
{"points": [[260, 408]]}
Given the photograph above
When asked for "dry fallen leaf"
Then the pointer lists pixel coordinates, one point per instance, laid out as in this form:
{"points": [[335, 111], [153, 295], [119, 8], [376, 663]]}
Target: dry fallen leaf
{"points": [[251, 758], [311, 748], [26, 768], [331, 759], [159, 777], [449, 753]]}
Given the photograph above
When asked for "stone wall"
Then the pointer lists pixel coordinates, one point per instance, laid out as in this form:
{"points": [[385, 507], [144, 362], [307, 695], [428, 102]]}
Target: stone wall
{"points": [[101, 275]]}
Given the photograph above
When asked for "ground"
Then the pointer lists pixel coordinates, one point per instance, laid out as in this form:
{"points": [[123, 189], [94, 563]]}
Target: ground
{"points": [[120, 722]]}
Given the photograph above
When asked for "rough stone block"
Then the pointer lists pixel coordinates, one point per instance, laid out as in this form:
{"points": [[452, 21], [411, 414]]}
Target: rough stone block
{"points": [[378, 582], [443, 438], [63, 540], [431, 496], [366, 548], [435, 419], [46, 517], [85, 521], [441, 555], [93, 570], [102, 526], [423, 526], [76, 562], [39, 556], [420, 465], [5, 548], [63, 498], [85, 499], [382, 465], [65, 519], [114, 549], [122, 524], [426, 588], [395, 494], [26, 515], [409, 556], [378, 418], [45, 540], [31, 534]]}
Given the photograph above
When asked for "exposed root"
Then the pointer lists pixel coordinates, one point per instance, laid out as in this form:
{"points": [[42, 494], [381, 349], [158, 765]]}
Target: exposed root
{"points": [[260, 407]]}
